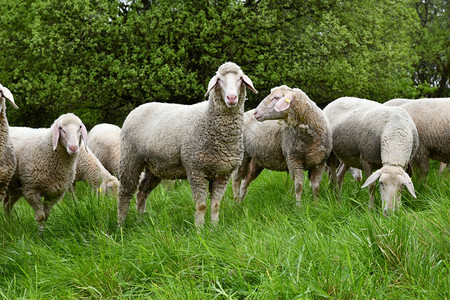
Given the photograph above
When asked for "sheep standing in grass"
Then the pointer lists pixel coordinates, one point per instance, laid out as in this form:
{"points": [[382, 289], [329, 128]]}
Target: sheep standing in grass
{"points": [[201, 142], [104, 141], [432, 119], [7, 157], [302, 142], [90, 169], [46, 164], [368, 135]]}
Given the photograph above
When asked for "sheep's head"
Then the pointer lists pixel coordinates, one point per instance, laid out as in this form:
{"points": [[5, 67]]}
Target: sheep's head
{"points": [[275, 106], [229, 79], [110, 186], [68, 131], [5, 93], [391, 179]]}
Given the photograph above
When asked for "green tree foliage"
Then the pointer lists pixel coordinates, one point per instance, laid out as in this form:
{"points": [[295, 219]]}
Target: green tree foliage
{"points": [[433, 47], [101, 58]]}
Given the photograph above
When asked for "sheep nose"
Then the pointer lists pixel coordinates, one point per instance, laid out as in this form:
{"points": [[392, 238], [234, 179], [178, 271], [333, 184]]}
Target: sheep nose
{"points": [[73, 149], [232, 98]]}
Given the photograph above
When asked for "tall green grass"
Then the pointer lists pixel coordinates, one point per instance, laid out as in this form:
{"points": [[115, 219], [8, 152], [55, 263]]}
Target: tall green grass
{"points": [[264, 248]]}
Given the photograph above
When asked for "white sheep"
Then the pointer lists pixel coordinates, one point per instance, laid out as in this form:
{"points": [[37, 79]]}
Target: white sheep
{"points": [[432, 119], [104, 141], [201, 142], [46, 164], [301, 143], [368, 135], [90, 169], [7, 157]]}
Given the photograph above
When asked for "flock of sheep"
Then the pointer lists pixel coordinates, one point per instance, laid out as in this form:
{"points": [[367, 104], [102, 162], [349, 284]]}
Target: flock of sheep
{"points": [[214, 141]]}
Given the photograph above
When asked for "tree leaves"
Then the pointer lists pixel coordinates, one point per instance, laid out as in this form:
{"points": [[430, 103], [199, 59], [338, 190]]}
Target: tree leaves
{"points": [[100, 59]]}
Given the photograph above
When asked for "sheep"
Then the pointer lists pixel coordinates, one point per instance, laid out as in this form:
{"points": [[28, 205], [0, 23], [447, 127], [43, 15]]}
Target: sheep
{"points": [[7, 157], [90, 169], [368, 135], [432, 119], [104, 141], [301, 142], [46, 164], [202, 142]]}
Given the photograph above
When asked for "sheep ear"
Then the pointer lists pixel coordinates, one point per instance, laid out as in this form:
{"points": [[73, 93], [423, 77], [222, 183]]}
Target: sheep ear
{"points": [[372, 178], [284, 103], [249, 83], [55, 135], [8, 95], [84, 134], [212, 83], [409, 185]]}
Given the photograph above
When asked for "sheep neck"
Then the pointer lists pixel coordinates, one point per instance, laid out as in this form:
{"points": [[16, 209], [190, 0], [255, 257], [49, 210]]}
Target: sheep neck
{"points": [[304, 118], [226, 122]]}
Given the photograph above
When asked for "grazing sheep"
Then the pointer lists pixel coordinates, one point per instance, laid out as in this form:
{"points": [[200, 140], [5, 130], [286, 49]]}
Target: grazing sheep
{"points": [[302, 142], [104, 141], [46, 164], [432, 119], [368, 135], [90, 169], [201, 142], [7, 157]]}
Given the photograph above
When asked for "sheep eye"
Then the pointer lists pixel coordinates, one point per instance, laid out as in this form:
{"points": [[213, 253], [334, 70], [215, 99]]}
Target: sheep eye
{"points": [[60, 127]]}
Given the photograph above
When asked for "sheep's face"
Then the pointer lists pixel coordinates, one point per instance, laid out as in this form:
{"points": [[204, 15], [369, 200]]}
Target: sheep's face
{"points": [[275, 106], [391, 180], [68, 132], [229, 82]]}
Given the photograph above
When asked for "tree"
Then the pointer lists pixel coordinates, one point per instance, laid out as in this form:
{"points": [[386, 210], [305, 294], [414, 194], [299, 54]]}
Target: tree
{"points": [[432, 44], [101, 58]]}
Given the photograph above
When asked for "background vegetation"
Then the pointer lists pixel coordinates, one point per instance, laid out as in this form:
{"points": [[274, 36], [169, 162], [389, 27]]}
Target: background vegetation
{"points": [[102, 58], [264, 248]]}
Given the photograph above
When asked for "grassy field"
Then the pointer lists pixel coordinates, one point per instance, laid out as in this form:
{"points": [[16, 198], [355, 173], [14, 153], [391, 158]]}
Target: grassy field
{"points": [[264, 248]]}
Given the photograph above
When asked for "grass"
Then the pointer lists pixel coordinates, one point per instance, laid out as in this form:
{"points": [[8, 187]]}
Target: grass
{"points": [[264, 248]]}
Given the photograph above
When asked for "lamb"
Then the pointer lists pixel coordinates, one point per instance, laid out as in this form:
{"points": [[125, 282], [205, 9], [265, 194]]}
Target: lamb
{"points": [[368, 135], [46, 164], [7, 157], [104, 141], [202, 142], [301, 142], [90, 169], [432, 119]]}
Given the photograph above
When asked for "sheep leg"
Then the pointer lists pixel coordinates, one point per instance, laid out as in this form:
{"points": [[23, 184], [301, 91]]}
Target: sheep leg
{"points": [[298, 185], [49, 202], [35, 201], [253, 172], [129, 171], [315, 176], [8, 203], [146, 185], [199, 187], [367, 167], [333, 165], [217, 189], [237, 177], [343, 168]]}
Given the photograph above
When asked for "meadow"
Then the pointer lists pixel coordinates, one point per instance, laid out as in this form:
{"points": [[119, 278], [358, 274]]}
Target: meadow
{"points": [[263, 248]]}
